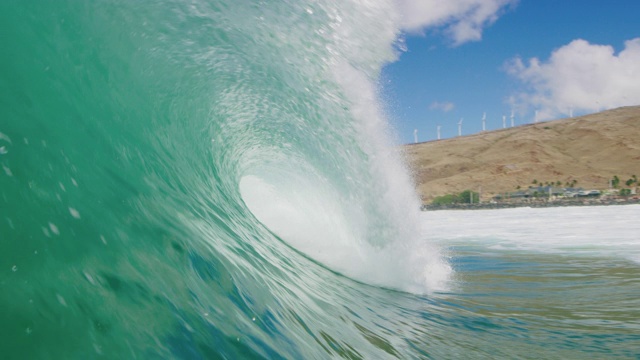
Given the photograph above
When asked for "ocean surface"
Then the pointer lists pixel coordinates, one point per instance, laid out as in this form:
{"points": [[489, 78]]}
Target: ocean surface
{"points": [[190, 179]]}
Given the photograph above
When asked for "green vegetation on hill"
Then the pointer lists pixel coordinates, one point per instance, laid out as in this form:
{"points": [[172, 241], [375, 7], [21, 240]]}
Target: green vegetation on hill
{"points": [[465, 197]]}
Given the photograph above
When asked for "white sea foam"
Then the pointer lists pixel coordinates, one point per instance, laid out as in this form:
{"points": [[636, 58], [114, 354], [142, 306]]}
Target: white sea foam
{"points": [[316, 221], [609, 231]]}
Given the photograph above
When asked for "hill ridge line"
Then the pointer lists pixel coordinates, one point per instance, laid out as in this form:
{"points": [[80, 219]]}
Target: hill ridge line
{"points": [[590, 149]]}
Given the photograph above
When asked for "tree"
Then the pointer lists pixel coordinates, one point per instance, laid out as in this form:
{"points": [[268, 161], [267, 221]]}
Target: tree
{"points": [[534, 181], [625, 192], [615, 182], [629, 182], [468, 197], [445, 199]]}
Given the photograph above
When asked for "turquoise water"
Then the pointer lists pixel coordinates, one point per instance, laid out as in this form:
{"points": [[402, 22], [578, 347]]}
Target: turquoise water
{"points": [[208, 179]]}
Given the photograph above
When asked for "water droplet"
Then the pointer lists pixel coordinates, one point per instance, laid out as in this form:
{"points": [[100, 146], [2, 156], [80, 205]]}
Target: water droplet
{"points": [[253, 319], [3, 150], [54, 228], [7, 170], [73, 181], [28, 331], [5, 138], [103, 239], [14, 268], [74, 213], [61, 300], [26, 141], [89, 278], [46, 232], [188, 327], [62, 186]]}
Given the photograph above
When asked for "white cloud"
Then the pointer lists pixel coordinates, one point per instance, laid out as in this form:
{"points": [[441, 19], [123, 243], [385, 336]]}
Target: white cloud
{"points": [[462, 20], [580, 76], [444, 106]]}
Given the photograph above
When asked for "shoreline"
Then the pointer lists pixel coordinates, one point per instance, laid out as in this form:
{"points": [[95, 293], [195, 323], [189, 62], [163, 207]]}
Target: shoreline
{"points": [[532, 204]]}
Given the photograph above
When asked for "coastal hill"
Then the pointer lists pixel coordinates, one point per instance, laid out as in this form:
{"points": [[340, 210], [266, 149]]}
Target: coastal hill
{"points": [[589, 150]]}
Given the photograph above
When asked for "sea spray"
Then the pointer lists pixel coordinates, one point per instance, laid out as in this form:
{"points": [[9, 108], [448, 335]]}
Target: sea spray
{"points": [[373, 219]]}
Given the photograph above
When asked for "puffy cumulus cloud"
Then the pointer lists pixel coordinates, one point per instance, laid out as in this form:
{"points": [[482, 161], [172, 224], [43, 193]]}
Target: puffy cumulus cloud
{"points": [[444, 106], [462, 20], [579, 76]]}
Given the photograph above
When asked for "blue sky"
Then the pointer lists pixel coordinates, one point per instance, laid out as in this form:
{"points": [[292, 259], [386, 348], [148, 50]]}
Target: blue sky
{"points": [[553, 57]]}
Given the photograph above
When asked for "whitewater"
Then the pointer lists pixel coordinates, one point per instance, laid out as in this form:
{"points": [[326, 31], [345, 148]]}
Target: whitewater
{"points": [[218, 180]]}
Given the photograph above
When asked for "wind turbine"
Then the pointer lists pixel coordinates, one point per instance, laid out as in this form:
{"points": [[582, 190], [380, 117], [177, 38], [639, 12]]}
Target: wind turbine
{"points": [[535, 119], [504, 121], [415, 136], [438, 128], [512, 122], [571, 112], [460, 127], [484, 121]]}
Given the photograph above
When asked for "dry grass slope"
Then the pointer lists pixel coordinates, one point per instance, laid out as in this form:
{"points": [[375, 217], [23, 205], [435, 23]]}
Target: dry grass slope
{"points": [[589, 149]]}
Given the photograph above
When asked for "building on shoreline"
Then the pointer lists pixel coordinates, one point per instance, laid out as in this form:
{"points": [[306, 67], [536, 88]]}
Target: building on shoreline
{"points": [[546, 196]]}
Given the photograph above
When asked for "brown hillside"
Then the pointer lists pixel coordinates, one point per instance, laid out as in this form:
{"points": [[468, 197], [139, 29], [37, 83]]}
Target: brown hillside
{"points": [[590, 149]]}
